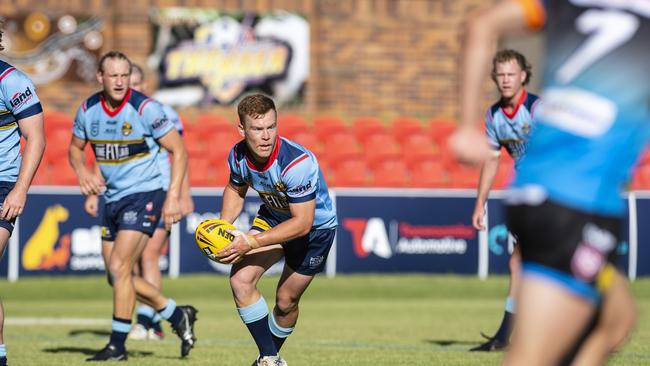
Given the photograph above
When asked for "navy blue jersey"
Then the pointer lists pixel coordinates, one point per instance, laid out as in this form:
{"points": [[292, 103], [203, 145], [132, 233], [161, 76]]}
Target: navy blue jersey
{"points": [[18, 100], [124, 142], [595, 116], [291, 175], [511, 131]]}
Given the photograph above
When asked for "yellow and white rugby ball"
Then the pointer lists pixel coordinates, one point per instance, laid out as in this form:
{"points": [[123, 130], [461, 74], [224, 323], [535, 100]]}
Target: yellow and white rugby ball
{"points": [[212, 236]]}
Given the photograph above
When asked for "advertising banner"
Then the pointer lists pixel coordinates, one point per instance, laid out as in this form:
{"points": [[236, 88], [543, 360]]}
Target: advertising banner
{"points": [[380, 231], [206, 56], [406, 234]]}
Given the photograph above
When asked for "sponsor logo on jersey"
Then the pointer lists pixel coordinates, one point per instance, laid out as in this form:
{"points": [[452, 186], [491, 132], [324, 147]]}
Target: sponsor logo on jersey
{"points": [[301, 188], [20, 99], [159, 123]]}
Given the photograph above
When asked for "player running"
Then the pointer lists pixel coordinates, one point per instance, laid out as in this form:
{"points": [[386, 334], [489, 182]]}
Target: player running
{"points": [[126, 130]]}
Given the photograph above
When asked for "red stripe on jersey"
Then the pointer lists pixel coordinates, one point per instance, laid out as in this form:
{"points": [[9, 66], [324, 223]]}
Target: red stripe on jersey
{"points": [[142, 106], [269, 162], [301, 158], [7, 72], [119, 108], [519, 103]]}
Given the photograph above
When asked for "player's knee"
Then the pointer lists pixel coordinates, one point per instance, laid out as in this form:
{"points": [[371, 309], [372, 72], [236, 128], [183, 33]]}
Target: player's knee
{"points": [[623, 327], [285, 304], [242, 281], [118, 269]]}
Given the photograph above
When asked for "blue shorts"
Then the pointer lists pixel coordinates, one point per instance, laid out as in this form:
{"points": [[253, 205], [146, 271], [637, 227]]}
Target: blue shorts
{"points": [[307, 254], [5, 188], [137, 211]]}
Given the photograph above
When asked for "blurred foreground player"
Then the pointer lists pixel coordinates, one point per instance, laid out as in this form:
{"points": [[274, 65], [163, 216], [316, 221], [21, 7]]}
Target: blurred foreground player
{"points": [[565, 204]]}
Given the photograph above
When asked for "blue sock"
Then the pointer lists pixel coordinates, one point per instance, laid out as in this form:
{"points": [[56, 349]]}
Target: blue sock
{"points": [[171, 312], [145, 314], [503, 334], [121, 328], [279, 333], [3, 351], [256, 318]]}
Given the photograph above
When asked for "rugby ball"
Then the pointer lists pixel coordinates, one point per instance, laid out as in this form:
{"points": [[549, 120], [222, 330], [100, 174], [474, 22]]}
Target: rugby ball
{"points": [[212, 236]]}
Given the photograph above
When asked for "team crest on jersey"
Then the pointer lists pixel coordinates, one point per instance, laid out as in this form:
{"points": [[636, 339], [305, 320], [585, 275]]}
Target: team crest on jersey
{"points": [[280, 187], [94, 128], [126, 128], [526, 128]]}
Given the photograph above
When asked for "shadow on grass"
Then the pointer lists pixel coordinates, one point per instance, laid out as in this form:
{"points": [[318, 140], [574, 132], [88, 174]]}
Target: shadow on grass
{"points": [[450, 342], [94, 332], [90, 351]]}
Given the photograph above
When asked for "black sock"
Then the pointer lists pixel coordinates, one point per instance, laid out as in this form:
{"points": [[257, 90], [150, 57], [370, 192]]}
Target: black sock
{"points": [[119, 333], [144, 320], [503, 334], [278, 342], [261, 333]]}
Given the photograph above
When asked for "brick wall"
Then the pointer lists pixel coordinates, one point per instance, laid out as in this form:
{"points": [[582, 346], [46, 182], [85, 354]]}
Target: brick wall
{"points": [[369, 57]]}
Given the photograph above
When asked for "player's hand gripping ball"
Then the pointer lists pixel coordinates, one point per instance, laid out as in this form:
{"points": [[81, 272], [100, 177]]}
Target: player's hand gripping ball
{"points": [[212, 235]]}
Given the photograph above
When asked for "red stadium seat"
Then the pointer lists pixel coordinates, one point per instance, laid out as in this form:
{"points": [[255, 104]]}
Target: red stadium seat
{"points": [[461, 176], [352, 173], [404, 127], [440, 129], [290, 125], [310, 141], [365, 127], [391, 173], [341, 147], [429, 174], [379, 148], [417, 148], [325, 126]]}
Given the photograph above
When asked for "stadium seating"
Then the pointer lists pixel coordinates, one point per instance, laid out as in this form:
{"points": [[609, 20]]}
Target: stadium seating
{"points": [[366, 153], [391, 173], [324, 127], [364, 127]]}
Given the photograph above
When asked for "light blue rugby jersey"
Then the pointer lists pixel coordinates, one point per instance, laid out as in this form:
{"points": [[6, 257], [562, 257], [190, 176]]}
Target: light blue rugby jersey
{"points": [[292, 175], [124, 141], [163, 156], [511, 131], [18, 100], [595, 116]]}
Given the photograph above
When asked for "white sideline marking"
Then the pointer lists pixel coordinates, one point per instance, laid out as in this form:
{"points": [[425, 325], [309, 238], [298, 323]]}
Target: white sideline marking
{"points": [[56, 321]]}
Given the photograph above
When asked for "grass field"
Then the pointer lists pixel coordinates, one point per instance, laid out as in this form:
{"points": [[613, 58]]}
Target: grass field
{"points": [[348, 320]]}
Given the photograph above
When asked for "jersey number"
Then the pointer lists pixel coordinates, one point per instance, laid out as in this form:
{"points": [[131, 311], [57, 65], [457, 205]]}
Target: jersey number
{"points": [[607, 30]]}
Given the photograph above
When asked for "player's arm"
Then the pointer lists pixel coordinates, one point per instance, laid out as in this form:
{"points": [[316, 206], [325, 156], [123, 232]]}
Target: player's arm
{"points": [[233, 201], [32, 128], [482, 30], [300, 223], [488, 172], [91, 205], [187, 204], [173, 142], [89, 182]]}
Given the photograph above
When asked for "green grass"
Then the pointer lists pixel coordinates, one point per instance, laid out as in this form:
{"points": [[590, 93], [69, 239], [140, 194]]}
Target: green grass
{"points": [[348, 320]]}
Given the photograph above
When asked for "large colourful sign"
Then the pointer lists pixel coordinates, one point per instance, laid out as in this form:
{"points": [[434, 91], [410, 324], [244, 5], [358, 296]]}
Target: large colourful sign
{"points": [[396, 231], [206, 56]]}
